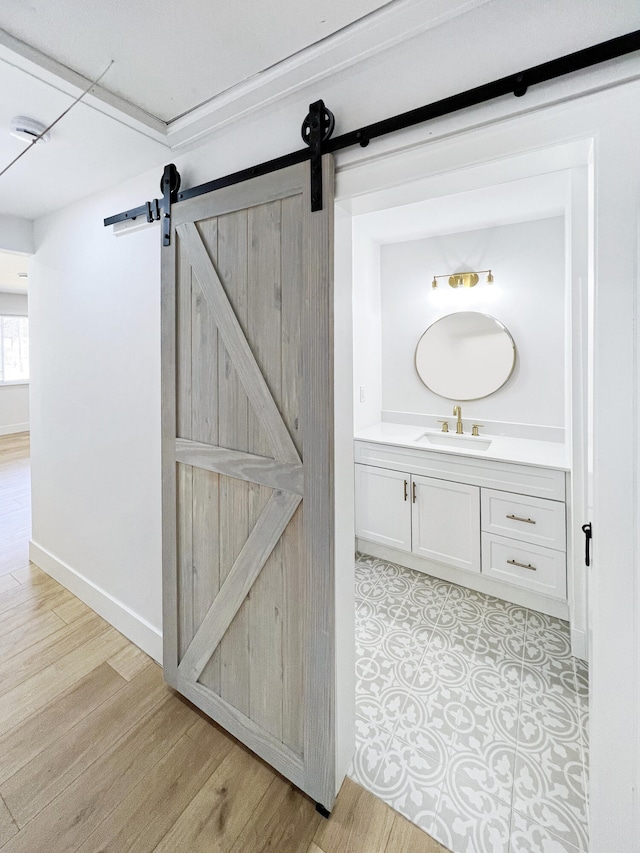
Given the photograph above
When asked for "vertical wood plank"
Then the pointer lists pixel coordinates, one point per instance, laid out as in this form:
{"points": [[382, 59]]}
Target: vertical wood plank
{"points": [[204, 427], [181, 315], [264, 332], [206, 557], [170, 276], [293, 551], [184, 473], [233, 651], [319, 504], [184, 513], [204, 350]]}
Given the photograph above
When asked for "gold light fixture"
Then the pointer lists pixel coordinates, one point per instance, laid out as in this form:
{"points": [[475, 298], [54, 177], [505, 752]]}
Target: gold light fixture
{"points": [[463, 279]]}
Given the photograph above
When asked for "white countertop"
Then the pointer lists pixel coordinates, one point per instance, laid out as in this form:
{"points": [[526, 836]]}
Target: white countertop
{"points": [[543, 454]]}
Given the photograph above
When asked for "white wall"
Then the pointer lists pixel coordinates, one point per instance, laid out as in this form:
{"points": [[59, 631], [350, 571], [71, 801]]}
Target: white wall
{"points": [[367, 333], [528, 297], [14, 303], [95, 328], [16, 235], [14, 409], [14, 399]]}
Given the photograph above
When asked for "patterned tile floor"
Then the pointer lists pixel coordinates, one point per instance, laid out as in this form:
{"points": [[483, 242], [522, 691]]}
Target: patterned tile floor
{"points": [[472, 716]]}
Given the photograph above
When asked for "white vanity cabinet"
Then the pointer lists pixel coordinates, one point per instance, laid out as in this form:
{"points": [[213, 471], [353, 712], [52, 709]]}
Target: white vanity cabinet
{"points": [[499, 527], [432, 518]]}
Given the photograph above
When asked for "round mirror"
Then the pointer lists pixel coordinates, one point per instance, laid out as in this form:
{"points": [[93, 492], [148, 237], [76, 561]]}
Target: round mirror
{"points": [[465, 356]]}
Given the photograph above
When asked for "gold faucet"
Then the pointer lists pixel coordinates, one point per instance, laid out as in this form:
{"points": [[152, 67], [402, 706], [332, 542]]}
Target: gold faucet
{"points": [[457, 411]]}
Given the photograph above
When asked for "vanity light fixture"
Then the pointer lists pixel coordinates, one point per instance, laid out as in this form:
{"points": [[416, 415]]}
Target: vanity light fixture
{"points": [[463, 279]]}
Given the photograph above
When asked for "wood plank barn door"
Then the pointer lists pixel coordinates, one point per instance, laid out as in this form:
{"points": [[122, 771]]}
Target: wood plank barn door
{"points": [[248, 503]]}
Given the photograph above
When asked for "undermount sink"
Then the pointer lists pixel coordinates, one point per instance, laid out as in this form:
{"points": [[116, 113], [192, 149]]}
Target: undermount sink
{"points": [[452, 440]]}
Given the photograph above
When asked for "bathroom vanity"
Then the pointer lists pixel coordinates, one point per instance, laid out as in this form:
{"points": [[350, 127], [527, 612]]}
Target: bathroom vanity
{"points": [[486, 512]]}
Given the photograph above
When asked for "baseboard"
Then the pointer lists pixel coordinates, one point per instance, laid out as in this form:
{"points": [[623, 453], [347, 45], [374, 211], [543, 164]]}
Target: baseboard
{"points": [[10, 429], [123, 619], [579, 644]]}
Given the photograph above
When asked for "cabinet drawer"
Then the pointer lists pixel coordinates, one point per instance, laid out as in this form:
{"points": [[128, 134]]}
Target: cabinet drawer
{"points": [[541, 569], [534, 520]]}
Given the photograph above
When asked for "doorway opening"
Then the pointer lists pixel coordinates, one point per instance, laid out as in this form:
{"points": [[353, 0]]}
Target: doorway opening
{"points": [[471, 621], [14, 412]]}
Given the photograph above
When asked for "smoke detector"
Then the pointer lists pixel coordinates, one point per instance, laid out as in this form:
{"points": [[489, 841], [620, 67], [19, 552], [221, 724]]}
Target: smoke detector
{"points": [[28, 129]]}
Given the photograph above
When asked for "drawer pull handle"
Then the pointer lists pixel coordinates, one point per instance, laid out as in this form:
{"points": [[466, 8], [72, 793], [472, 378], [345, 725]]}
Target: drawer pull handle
{"points": [[519, 518], [522, 565], [406, 486]]}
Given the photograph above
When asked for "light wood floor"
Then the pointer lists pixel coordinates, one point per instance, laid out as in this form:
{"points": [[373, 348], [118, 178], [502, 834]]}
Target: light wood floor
{"points": [[98, 754]]}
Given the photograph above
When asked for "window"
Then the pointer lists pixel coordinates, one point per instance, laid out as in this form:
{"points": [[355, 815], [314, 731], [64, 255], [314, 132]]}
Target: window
{"points": [[14, 349]]}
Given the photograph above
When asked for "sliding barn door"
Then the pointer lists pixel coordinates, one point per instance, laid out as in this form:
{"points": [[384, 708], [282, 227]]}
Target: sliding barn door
{"points": [[247, 468]]}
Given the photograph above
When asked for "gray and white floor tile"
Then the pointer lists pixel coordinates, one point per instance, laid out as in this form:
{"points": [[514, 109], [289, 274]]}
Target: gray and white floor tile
{"points": [[410, 781], [529, 837], [470, 820], [472, 716]]}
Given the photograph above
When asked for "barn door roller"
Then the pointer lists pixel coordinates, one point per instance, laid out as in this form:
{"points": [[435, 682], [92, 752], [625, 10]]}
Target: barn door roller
{"points": [[169, 186], [316, 129]]}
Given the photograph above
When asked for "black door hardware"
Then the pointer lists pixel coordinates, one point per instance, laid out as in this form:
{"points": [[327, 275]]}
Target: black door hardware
{"points": [[316, 129], [169, 186], [588, 536], [319, 123]]}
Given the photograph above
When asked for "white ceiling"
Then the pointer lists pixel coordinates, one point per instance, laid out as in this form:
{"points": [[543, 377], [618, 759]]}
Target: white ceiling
{"points": [[10, 266], [170, 57], [539, 197], [88, 149]]}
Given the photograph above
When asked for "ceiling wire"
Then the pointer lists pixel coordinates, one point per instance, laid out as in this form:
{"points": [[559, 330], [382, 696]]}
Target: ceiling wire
{"points": [[53, 123]]}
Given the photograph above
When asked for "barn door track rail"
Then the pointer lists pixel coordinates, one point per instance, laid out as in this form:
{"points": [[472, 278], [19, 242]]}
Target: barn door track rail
{"points": [[318, 127]]}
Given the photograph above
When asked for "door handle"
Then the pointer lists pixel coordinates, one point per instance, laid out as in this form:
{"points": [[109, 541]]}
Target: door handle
{"points": [[522, 565], [414, 492], [587, 529], [406, 490]]}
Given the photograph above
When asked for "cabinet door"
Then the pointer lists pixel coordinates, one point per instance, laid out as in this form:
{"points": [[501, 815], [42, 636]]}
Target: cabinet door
{"points": [[383, 506], [446, 522]]}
